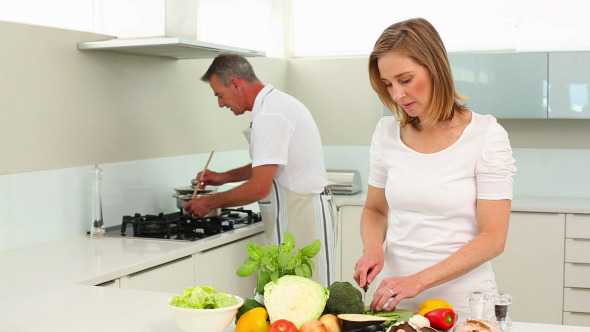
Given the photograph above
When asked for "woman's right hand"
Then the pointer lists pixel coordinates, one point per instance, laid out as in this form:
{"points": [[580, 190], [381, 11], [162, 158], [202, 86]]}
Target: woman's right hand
{"points": [[368, 266]]}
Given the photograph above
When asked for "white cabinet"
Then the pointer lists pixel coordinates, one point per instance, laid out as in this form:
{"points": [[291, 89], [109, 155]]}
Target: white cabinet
{"points": [[217, 267], [531, 267], [576, 300], [171, 277], [506, 85], [351, 244], [569, 85]]}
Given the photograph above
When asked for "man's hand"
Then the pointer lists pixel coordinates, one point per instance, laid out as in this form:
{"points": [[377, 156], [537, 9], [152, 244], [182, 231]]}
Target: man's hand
{"points": [[208, 177], [199, 207]]}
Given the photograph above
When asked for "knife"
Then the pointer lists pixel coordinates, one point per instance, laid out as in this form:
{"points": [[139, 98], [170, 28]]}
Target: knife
{"points": [[365, 293]]}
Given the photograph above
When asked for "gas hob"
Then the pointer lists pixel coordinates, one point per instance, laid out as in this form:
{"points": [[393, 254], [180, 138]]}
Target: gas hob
{"points": [[178, 226]]}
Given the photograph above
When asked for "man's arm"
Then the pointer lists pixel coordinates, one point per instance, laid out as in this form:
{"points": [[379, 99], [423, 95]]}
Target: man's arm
{"points": [[256, 188]]}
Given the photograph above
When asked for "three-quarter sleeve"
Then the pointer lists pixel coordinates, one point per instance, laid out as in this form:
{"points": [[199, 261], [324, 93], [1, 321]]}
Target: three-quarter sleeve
{"points": [[496, 167]]}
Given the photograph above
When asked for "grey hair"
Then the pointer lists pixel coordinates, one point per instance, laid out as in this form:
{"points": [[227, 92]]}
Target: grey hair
{"points": [[227, 66]]}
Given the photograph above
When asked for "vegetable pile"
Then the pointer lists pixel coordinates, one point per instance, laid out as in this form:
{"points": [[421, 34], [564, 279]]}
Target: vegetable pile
{"points": [[295, 303], [202, 298]]}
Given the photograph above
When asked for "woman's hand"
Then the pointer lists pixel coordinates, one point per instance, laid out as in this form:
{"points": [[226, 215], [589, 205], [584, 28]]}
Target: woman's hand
{"points": [[395, 289], [368, 266]]}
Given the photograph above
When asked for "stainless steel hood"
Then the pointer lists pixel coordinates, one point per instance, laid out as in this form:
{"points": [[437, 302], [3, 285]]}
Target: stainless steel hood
{"points": [[178, 41], [167, 47]]}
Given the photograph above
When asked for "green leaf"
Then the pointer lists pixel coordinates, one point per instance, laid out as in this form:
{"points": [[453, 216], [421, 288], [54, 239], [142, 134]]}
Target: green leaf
{"points": [[262, 279], [272, 266], [289, 241], [274, 275], [298, 271], [283, 259], [292, 263], [271, 250], [309, 262], [306, 270], [312, 249], [248, 267], [265, 260], [254, 251]]}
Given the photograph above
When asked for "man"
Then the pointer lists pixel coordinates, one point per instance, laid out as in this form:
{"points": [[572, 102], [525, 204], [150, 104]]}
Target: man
{"points": [[287, 175]]}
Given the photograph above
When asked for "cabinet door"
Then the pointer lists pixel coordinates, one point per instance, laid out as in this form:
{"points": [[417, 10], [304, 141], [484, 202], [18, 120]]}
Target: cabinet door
{"points": [[217, 267], [171, 277], [505, 85], [351, 244], [569, 85], [532, 266]]}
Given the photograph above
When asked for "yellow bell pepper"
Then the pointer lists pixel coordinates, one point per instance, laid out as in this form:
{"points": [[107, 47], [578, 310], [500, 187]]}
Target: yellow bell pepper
{"points": [[253, 320], [430, 305]]}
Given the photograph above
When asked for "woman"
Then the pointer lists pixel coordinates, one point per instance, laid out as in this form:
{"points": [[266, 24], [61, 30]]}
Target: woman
{"points": [[440, 184]]}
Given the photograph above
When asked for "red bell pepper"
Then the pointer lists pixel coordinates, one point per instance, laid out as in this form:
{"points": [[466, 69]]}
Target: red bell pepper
{"points": [[441, 318]]}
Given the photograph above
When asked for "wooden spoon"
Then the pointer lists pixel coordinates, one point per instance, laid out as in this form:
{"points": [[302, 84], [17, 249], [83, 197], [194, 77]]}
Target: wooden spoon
{"points": [[202, 173]]}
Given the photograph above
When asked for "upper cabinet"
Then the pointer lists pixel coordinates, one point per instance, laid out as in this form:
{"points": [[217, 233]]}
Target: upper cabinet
{"points": [[536, 85], [569, 85], [506, 85]]}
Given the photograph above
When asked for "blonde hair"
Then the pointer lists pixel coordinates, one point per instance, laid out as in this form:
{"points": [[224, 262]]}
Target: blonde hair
{"points": [[419, 40]]}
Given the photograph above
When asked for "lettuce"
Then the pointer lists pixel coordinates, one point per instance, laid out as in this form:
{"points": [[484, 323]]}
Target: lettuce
{"points": [[202, 298]]}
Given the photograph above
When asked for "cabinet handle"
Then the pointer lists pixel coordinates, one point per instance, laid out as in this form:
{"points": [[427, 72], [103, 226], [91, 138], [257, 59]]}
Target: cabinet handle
{"points": [[579, 313], [580, 289], [583, 264], [579, 239], [107, 283], [159, 266]]}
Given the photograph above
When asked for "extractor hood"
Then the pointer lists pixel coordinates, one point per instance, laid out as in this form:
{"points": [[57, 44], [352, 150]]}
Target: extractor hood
{"points": [[178, 41], [168, 47]]}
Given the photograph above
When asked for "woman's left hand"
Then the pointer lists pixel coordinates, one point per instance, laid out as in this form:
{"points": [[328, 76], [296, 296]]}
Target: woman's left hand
{"points": [[396, 289]]}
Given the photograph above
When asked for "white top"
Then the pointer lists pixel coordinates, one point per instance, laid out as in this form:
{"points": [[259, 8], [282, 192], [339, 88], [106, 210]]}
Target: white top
{"points": [[284, 133], [432, 200]]}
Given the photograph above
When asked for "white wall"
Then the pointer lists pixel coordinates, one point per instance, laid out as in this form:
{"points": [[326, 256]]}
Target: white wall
{"points": [[61, 107], [151, 123]]}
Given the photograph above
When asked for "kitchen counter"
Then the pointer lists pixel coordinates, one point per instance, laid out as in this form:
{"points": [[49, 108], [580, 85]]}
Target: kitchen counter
{"points": [[519, 203], [49, 286]]}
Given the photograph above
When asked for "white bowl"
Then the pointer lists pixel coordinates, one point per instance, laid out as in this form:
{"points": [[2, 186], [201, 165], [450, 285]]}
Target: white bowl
{"points": [[201, 320]]}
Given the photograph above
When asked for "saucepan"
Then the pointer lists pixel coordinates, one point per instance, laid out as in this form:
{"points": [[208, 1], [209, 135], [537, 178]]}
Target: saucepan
{"points": [[185, 194]]}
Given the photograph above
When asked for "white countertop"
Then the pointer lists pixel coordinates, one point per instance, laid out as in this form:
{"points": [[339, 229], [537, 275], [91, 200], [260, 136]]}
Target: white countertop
{"points": [[47, 287], [519, 203]]}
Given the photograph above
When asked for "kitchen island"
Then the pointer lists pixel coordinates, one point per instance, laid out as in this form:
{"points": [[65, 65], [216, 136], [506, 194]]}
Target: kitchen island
{"points": [[51, 286]]}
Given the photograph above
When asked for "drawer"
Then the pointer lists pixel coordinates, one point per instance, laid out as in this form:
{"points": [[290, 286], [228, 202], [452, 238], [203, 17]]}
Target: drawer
{"points": [[577, 250], [577, 275], [576, 299], [577, 226], [576, 318]]}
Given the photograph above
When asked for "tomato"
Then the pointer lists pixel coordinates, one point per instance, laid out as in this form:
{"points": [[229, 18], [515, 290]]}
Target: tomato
{"points": [[283, 325]]}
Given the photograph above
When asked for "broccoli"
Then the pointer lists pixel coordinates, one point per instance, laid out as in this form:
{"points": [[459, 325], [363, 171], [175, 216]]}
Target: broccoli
{"points": [[344, 299]]}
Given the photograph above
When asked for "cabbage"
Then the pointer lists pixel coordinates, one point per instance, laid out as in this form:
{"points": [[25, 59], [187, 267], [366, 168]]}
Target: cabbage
{"points": [[294, 298]]}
